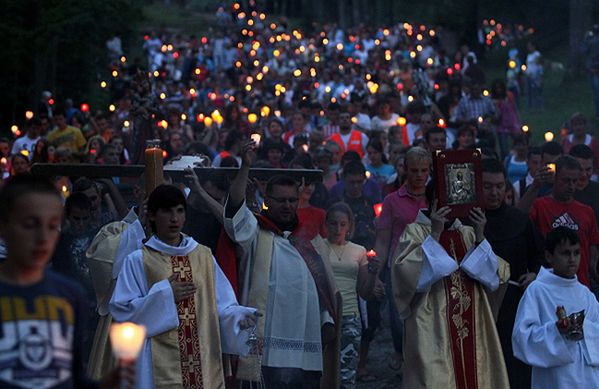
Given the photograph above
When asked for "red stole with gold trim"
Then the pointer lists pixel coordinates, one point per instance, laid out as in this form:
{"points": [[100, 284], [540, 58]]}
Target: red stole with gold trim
{"points": [[459, 291], [189, 342]]}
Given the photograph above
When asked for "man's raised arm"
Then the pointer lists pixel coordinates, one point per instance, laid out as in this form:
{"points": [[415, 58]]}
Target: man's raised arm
{"points": [[239, 183]]}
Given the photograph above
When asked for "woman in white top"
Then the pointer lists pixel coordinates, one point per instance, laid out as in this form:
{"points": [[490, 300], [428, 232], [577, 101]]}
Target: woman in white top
{"points": [[354, 276]]}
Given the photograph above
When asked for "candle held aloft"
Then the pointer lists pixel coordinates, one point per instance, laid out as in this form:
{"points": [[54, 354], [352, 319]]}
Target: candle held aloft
{"points": [[126, 340], [256, 138], [549, 136], [378, 208], [371, 254], [153, 159]]}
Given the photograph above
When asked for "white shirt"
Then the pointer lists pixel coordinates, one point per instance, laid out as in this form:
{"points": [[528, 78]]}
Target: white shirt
{"points": [[25, 143]]}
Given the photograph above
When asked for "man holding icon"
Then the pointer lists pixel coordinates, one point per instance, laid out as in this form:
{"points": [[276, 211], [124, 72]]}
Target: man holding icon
{"points": [[560, 209], [444, 277]]}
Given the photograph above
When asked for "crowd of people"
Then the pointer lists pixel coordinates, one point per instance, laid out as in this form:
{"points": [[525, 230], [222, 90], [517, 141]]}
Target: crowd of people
{"points": [[292, 278]]}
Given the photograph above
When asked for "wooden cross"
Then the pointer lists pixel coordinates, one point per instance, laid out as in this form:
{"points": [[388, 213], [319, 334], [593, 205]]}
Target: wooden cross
{"points": [[107, 171]]}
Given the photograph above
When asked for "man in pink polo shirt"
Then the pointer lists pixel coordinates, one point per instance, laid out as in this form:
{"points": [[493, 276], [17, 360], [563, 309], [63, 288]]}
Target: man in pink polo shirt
{"points": [[400, 209]]}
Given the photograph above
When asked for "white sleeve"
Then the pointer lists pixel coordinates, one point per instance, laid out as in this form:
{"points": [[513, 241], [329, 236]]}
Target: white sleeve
{"points": [[481, 264], [131, 239], [535, 343], [230, 313], [242, 228], [132, 301], [591, 330], [436, 264]]}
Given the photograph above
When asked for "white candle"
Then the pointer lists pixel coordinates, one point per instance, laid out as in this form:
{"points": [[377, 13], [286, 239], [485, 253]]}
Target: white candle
{"points": [[126, 340]]}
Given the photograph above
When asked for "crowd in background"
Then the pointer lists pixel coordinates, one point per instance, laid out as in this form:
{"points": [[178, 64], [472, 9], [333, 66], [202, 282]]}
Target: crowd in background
{"points": [[351, 103]]}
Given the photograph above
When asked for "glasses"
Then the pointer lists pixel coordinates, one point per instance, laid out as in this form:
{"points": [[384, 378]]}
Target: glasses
{"points": [[282, 200]]}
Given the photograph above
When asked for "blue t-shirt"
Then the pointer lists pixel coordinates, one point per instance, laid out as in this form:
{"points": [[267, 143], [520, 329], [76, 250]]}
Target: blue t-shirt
{"points": [[380, 174], [515, 170], [40, 334]]}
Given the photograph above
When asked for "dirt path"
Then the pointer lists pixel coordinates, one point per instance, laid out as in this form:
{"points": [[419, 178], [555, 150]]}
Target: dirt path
{"points": [[381, 350]]}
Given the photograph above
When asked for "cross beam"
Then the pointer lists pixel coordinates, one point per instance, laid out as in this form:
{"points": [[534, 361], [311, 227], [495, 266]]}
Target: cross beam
{"points": [[106, 171]]}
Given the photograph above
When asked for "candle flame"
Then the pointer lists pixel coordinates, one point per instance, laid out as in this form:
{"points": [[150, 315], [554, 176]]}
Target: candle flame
{"points": [[127, 339]]}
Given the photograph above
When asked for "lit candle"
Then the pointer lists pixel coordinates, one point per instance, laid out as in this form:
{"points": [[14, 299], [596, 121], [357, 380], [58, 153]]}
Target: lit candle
{"points": [[65, 192], [153, 159], [265, 111], [378, 208], [525, 128], [549, 136], [252, 118], [371, 255], [401, 121], [368, 174], [126, 340], [551, 167], [256, 138]]}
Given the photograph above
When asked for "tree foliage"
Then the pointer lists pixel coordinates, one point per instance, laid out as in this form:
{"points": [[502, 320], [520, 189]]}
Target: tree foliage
{"points": [[58, 45]]}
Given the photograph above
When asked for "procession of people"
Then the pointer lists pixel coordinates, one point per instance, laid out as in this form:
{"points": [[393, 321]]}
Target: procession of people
{"points": [[284, 279]]}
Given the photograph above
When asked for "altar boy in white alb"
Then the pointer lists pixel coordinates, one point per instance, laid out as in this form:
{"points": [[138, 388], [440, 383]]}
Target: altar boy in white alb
{"points": [[174, 287], [539, 340]]}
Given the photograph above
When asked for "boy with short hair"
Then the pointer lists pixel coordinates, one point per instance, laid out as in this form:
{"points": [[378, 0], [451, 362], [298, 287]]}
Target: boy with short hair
{"points": [[539, 339], [42, 314], [174, 287], [69, 257]]}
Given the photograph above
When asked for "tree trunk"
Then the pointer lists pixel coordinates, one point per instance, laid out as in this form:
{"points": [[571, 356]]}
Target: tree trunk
{"points": [[341, 13], [580, 22], [355, 7]]}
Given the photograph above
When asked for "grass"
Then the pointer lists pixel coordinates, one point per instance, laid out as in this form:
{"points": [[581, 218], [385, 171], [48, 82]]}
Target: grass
{"points": [[564, 93]]}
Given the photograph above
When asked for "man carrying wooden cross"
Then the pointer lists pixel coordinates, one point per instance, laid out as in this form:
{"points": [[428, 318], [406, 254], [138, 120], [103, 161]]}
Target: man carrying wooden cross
{"points": [[284, 277]]}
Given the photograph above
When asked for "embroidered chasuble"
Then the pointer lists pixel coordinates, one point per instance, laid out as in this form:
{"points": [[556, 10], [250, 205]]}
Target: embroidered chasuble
{"points": [[110, 246], [443, 291], [188, 356]]}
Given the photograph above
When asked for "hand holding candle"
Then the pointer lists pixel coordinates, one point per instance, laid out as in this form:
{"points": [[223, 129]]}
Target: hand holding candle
{"points": [[373, 264], [256, 138], [126, 340]]}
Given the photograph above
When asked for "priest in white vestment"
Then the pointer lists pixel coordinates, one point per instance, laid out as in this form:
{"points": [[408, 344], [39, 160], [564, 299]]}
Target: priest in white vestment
{"points": [[556, 360], [283, 277]]}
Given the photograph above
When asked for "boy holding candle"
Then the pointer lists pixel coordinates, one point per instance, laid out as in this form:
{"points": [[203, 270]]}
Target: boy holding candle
{"points": [[543, 341], [42, 314]]}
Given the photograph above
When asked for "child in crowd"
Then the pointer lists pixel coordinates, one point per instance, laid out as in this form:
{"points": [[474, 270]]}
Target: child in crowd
{"points": [[43, 314]]}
